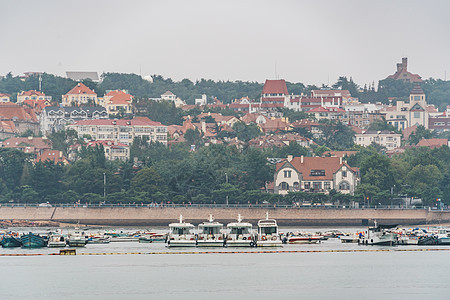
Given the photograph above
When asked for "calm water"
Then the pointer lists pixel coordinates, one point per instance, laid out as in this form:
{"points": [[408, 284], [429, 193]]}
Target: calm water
{"points": [[357, 275]]}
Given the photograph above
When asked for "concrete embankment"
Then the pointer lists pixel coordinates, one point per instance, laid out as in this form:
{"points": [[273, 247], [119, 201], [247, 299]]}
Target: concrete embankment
{"points": [[136, 216]]}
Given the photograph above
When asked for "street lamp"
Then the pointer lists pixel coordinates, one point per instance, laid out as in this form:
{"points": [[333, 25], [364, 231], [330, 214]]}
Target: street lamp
{"points": [[226, 180], [104, 185]]}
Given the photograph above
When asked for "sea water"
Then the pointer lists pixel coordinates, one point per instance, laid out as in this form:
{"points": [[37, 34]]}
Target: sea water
{"points": [[307, 275]]}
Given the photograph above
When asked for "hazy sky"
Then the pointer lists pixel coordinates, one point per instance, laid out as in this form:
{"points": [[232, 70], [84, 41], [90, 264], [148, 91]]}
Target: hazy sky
{"points": [[304, 41]]}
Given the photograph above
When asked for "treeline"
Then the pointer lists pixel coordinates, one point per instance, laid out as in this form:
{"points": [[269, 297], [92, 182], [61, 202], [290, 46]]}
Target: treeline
{"points": [[213, 174], [437, 90]]}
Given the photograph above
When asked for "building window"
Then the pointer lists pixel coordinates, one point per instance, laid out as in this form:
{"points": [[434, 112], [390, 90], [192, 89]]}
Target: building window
{"points": [[296, 186], [284, 186], [287, 174], [326, 185], [344, 185], [344, 173], [416, 115], [317, 185], [307, 185], [317, 173]]}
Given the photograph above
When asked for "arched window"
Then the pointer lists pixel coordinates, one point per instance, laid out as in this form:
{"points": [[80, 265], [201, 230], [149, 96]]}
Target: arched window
{"points": [[296, 186], [283, 186], [344, 185]]}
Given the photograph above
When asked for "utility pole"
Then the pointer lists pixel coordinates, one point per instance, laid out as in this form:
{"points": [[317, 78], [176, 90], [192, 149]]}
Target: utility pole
{"points": [[104, 185], [226, 180]]}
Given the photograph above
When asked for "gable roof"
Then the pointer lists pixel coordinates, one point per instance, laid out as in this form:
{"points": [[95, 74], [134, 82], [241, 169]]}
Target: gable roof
{"points": [[9, 111], [80, 88], [304, 165], [53, 155], [432, 143]]}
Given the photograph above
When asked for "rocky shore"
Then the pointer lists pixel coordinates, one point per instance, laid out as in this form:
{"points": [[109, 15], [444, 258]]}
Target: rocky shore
{"points": [[25, 223]]}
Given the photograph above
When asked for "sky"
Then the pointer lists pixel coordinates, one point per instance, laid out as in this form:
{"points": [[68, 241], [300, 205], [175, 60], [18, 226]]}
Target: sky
{"points": [[313, 42]]}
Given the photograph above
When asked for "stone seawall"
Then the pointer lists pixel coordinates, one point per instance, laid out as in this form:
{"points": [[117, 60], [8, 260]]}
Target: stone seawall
{"points": [[128, 216]]}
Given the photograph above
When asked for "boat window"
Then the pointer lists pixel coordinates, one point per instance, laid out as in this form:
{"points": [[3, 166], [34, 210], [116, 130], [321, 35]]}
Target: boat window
{"points": [[268, 230], [239, 230]]}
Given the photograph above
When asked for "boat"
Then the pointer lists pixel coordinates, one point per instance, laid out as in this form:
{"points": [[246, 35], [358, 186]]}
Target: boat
{"points": [[268, 235], [77, 238], [443, 236], [31, 240], [303, 239], [350, 238], [240, 234], [210, 234], [98, 239], [153, 237], [379, 235], [181, 234], [56, 239], [11, 240]]}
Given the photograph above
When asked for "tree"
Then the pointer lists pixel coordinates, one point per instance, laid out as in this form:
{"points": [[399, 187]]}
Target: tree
{"points": [[193, 137], [148, 180], [246, 132], [376, 170], [420, 133], [63, 139]]}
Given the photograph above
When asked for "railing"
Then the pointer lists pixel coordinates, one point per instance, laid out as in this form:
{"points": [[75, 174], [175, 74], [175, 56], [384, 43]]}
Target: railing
{"points": [[263, 206]]}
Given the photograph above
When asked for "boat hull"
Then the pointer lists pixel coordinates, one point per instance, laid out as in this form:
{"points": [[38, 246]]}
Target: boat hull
{"points": [[11, 242], [31, 240], [77, 242], [269, 243], [181, 243], [444, 241], [303, 240], [210, 243]]}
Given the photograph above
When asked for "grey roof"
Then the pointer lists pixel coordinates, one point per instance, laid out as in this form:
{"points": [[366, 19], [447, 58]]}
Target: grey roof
{"points": [[70, 109], [77, 76]]}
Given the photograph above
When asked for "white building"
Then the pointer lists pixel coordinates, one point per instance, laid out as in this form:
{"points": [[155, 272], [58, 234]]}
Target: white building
{"points": [[388, 139]]}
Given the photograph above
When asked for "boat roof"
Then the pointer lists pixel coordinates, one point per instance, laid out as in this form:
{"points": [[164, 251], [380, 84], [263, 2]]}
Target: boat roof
{"points": [[240, 224], [181, 225], [211, 224], [267, 223]]}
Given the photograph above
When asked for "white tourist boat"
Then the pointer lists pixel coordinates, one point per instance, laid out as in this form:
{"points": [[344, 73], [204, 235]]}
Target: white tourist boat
{"points": [[240, 234], [210, 234], [268, 235], [379, 235], [350, 238], [181, 234]]}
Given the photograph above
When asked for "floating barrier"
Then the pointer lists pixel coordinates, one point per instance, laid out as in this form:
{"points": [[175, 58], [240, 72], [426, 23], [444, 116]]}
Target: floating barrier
{"points": [[73, 252]]}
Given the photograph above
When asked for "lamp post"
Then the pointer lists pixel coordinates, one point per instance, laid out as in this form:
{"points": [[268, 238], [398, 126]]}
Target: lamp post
{"points": [[226, 180], [104, 185]]}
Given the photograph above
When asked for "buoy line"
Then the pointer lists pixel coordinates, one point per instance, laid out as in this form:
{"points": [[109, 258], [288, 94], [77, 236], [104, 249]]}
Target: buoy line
{"points": [[62, 253]]}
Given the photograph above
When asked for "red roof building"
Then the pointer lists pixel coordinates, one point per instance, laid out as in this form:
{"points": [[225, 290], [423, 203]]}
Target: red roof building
{"points": [[403, 74], [315, 174], [433, 143], [55, 156], [78, 95]]}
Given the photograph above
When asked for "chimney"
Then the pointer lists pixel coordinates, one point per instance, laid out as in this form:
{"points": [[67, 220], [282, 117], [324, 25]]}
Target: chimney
{"points": [[340, 160], [60, 154], [301, 159], [290, 157], [405, 63], [399, 67], [30, 138], [204, 126]]}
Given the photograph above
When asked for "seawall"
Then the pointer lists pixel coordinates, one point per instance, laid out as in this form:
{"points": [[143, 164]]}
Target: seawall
{"points": [[139, 216]]}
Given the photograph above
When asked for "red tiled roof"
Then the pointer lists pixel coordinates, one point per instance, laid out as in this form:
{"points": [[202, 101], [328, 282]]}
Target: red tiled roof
{"points": [[329, 164], [36, 142], [275, 87], [7, 126], [80, 88], [8, 111], [432, 143], [30, 93], [4, 95], [53, 155]]}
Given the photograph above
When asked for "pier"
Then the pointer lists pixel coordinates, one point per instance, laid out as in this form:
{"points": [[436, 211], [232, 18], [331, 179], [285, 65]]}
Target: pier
{"points": [[161, 216]]}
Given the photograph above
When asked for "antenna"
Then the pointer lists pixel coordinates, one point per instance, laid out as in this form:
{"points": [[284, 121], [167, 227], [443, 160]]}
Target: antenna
{"points": [[40, 82]]}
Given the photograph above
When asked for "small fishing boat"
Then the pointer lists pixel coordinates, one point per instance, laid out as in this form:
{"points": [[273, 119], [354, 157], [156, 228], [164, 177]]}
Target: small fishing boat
{"points": [[268, 235], [350, 238], [77, 238], [56, 239], [240, 234], [11, 240], [210, 234], [31, 240], [443, 236], [379, 235], [181, 235], [303, 239], [153, 237], [98, 239]]}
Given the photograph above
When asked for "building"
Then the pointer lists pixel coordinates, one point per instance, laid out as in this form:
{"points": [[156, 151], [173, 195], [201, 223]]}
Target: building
{"points": [[433, 143], [117, 102], [168, 96], [79, 76], [387, 139], [54, 156], [55, 118], [403, 74], [34, 145], [274, 94], [315, 175], [17, 118], [79, 95], [5, 97], [113, 150], [122, 131], [406, 114], [32, 95], [201, 101]]}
